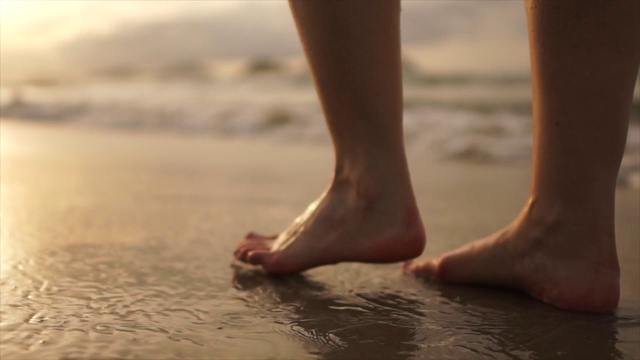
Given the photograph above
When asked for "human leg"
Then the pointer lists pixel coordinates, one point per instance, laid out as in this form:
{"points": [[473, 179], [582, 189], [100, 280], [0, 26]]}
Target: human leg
{"points": [[561, 249], [369, 212]]}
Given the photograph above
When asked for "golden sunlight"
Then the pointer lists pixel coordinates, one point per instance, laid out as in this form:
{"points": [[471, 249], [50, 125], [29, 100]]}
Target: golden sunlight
{"points": [[31, 24]]}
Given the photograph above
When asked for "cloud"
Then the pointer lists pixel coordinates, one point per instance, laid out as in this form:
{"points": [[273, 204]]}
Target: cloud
{"points": [[266, 29], [248, 31], [255, 30]]}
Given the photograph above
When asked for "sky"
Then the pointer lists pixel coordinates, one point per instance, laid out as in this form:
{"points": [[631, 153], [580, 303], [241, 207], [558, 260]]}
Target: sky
{"points": [[38, 24], [442, 35]]}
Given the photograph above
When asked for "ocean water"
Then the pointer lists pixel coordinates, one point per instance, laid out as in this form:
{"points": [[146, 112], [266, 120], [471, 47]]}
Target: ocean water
{"points": [[485, 120]]}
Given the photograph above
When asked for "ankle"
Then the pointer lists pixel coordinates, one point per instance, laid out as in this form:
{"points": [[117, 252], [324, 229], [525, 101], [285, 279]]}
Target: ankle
{"points": [[568, 232], [593, 208], [359, 191], [546, 213]]}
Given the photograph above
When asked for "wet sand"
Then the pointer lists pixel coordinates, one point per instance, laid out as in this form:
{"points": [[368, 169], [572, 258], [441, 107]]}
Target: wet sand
{"points": [[118, 245]]}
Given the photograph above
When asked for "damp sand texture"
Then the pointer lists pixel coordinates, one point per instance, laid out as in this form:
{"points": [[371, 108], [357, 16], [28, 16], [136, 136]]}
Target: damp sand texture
{"points": [[119, 245]]}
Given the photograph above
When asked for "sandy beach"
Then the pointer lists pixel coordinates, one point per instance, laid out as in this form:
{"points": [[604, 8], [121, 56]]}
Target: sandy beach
{"points": [[119, 245]]}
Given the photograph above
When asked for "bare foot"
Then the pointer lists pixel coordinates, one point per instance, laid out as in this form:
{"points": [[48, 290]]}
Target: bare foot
{"points": [[563, 260], [346, 223]]}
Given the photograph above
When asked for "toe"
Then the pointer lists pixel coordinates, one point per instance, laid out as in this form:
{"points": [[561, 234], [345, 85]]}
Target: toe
{"points": [[408, 266], [428, 269], [252, 243], [255, 236], [242, 252], [258, 256]]}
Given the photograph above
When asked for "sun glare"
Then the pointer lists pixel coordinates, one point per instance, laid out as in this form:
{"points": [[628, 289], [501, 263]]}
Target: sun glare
{"points": [[12, 7], [46, 23], [21, 21]]}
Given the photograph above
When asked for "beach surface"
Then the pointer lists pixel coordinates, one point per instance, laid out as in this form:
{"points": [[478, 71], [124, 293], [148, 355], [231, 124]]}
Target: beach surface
{"points": [[119, 245]]}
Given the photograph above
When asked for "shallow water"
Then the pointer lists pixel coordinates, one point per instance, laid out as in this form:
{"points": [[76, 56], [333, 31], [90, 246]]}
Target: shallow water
{"points": [[487, 122], [118, 245]]}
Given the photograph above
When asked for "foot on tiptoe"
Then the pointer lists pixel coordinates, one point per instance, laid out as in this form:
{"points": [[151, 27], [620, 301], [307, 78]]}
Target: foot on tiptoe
{"points": [[348, 222], [555, 256]]}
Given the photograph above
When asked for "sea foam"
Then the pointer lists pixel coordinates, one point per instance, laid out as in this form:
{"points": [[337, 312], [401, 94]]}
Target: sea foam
{"points": [[438, 122]]}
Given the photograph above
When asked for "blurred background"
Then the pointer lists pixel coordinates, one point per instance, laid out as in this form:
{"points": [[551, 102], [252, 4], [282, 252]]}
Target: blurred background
{"points": [[236, 68]]}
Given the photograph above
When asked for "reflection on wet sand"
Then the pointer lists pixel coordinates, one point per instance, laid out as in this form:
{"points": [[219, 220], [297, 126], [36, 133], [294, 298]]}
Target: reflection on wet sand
{"points": [[453, 322], [515, 326], [369, 325]]}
